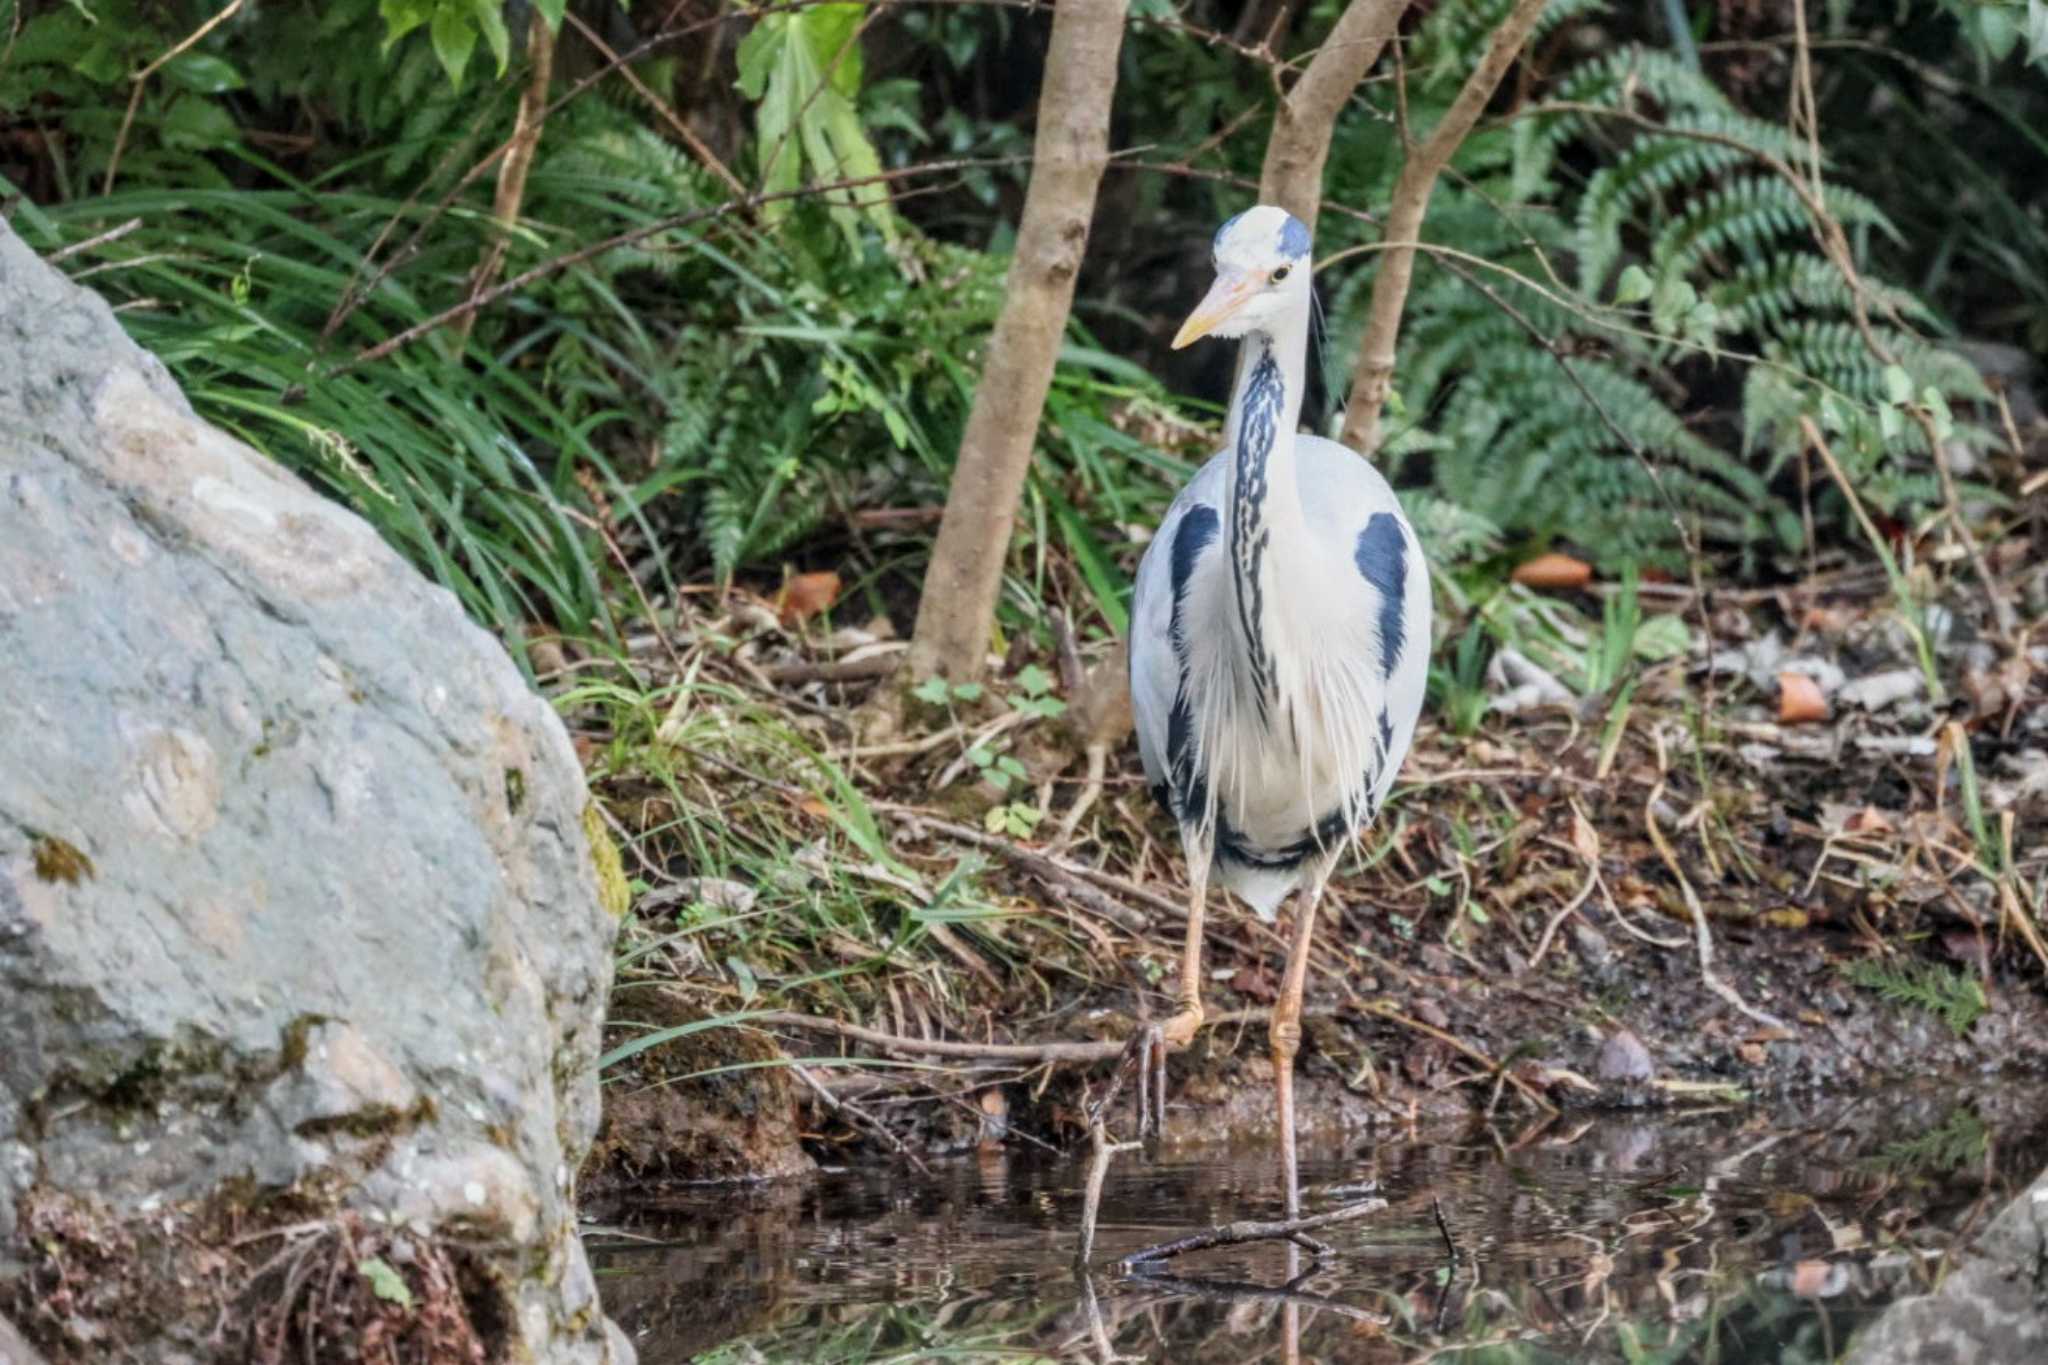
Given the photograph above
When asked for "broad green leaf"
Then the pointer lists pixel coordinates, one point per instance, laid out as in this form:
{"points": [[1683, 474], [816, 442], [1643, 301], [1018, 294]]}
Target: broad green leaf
{"points": [[490, 18], [1898, 385], [197, 124], [1634, 286], [804, 71], [385, 1281], [203, 73], [1998, 29], [454, 39], [551, 10], [101, 61], [1937, 405], [402, 17]]}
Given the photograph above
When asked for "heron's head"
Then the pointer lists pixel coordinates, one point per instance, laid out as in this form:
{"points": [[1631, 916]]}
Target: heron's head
{"points": [[1262, 270]]}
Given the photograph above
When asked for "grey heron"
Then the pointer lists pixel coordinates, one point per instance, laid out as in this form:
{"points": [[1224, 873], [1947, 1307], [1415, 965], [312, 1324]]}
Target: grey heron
{"points": [[1280, 636]]}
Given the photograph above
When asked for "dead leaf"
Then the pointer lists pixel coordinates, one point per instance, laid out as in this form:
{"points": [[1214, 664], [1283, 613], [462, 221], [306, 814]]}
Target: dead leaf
{"points": [[1553, 570], [1585, 839], [1813, 1279], [1256, 983], [1869, 820], [805, 595], [1799, 700]]}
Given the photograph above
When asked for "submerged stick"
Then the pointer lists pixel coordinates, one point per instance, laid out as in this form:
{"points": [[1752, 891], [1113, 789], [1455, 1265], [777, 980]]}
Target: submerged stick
{"points": [[1102, 1151], [1293, 1230]]}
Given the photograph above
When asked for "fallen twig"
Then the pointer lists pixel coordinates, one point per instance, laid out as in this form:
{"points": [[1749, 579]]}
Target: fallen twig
{"points": [[941, 1047], [836, 670], [1293, 1230], [1703, 937], [853, 1112], [1068, 876]]}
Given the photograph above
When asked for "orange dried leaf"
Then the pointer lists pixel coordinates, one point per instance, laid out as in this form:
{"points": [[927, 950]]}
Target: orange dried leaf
{"points": [[1553, 570], [805, 595], [1799, 700]]}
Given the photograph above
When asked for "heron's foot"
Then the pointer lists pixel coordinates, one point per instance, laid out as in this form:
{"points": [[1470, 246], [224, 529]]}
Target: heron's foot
{"points": [[1146, 1054], [1179, 1031]]}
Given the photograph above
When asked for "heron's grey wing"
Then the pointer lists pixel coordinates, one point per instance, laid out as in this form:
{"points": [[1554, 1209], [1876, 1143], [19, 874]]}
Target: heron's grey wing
{"points": [[1155, 666], [1355, 513]]}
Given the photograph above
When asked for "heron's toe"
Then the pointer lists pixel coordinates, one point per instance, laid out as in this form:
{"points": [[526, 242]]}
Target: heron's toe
{"points": [[1180, 1030]]}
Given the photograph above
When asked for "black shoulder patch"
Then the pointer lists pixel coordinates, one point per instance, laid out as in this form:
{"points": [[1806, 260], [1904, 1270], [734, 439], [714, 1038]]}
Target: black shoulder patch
{"points": [[1197, 531], [1186, 783], [1382, 557]]}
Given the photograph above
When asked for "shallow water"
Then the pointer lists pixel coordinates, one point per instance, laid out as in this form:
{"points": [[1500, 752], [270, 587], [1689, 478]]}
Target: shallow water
{"points": [[1731, 1235]]}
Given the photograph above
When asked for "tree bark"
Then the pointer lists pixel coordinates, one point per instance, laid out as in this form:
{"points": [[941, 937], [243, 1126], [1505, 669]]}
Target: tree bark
{"points": [[1374, 376], [513, 168], [958, 606], [1306, 118]]}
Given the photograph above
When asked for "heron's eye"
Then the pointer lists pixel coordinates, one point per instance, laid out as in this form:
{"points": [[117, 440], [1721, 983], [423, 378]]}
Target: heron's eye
{"points": [[1281, 273]]}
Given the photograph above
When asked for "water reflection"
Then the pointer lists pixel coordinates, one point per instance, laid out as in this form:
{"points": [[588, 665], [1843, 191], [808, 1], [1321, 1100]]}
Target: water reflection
{"points": [[1730, 1236]]}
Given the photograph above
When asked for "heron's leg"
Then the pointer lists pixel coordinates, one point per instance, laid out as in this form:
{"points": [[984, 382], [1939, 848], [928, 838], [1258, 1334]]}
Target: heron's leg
{"points": [[1180, 1029], [1285, 1031]]}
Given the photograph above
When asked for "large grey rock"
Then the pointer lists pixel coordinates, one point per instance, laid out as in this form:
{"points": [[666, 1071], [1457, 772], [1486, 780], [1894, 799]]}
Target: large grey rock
{"points": [[299, 924], [1992, 1307], [13, 1350]]}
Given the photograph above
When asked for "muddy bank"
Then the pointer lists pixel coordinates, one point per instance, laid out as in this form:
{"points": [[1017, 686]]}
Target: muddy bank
{"points": [[1418, 1031]]}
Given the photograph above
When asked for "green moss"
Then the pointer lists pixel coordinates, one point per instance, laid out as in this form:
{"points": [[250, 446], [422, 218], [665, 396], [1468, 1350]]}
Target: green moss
{"points": [[291, 1052], [379, 1121], [613, 891], [58, 861]]}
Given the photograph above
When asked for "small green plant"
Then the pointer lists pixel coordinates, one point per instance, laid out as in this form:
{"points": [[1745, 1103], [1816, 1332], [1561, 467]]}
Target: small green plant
{"points": [[1018, 819], [939, 692], [998, 770], [1033, 696], [1459, 686], [1958, 999]]}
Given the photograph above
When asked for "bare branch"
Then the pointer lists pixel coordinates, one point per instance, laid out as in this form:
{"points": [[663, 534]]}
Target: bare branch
{"points": [[1306, 117], [518, 160], [1374, 377]]}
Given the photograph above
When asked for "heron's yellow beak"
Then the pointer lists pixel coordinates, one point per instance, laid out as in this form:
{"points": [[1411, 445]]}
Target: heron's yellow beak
{"points": [[1233, 290]]}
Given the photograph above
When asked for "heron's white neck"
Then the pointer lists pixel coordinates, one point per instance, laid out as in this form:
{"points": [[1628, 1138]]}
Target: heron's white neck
{"points": [[1268, 542]]}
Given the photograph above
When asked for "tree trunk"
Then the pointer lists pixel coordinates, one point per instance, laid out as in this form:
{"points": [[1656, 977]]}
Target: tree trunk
{"points": [[1306, 118], [1373, 379], [958, 607]]}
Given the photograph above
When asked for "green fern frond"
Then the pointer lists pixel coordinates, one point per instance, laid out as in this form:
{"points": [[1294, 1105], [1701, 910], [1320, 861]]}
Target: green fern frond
{"points": [[1956, 998]]}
